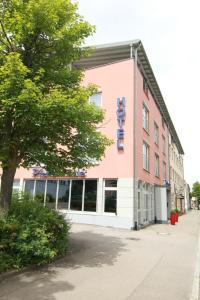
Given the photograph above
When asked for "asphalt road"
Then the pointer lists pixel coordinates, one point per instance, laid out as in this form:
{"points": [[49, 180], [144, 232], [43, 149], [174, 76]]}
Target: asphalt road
{"points": [[155, 263]]}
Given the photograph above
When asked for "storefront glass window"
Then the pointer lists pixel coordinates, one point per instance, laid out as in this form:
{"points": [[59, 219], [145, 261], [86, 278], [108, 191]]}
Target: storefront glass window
{"points": [[110, 201], [29, 187], [16, 186], [16, 183], [51, 193], [76, 195], [63, 194], [40, 190], [90, 195]]}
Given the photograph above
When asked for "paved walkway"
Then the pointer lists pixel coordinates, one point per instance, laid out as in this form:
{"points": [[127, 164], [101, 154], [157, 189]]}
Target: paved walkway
{"points": [[156, 263]]}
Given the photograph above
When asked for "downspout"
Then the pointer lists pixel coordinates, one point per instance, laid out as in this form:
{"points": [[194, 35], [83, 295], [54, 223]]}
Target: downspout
{"points": [[169, 173], [135, 204]]}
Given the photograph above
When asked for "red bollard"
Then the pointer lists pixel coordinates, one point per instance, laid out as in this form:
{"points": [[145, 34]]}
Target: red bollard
{"points": [[176, 217], [173, 219]]}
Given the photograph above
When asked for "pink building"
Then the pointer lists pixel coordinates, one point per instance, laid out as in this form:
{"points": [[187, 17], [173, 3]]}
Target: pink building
{"points": [[130, 187]]}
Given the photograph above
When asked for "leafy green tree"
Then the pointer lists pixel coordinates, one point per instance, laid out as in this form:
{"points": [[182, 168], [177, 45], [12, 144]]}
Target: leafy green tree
{"points": [[196, 192], [45, 117]]}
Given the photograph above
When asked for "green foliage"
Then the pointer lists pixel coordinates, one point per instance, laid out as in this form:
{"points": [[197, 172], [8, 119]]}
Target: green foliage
{"points": [[196, 191], [31, 234], [45, 116]]}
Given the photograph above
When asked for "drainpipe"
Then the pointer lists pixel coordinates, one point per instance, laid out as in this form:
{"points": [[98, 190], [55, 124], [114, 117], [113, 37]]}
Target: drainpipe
{"points": [[169, 173], [135, 204]]}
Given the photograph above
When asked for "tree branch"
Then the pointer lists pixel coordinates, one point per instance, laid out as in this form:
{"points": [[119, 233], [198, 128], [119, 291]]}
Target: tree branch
{"points": [[6, 36], [2, 42]]}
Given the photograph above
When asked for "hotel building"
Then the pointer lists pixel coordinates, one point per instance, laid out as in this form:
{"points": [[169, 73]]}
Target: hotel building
{"points": [[130, 187]]}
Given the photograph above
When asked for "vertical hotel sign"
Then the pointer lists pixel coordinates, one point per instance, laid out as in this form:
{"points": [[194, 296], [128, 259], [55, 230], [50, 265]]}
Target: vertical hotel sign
{"points": [[121, 121]]}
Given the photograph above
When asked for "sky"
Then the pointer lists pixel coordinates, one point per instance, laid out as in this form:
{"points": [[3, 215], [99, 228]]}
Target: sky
{"points": [[170, 33]]}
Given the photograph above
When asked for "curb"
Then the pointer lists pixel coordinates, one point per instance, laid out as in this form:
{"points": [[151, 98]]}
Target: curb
{"points": [[9, 274], [14, 272], [196, 280]]}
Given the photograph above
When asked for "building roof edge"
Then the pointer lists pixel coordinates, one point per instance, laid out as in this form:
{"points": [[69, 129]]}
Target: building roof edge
{"points": [[112, 52]]}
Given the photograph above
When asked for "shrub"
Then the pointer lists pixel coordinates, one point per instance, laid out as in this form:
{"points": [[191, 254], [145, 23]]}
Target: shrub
{"points": [[31, 234]]}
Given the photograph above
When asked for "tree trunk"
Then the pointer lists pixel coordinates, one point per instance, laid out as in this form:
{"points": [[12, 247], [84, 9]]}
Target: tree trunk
{"points": [[7, 179]]}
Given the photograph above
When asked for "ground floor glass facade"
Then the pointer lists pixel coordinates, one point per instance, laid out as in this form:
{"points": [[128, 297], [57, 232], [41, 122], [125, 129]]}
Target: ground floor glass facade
{"points": [[78, 195], [146, 213], [73, 194], [104, 197]]}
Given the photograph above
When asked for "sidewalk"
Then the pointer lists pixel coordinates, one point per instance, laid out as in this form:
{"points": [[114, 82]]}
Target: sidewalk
{"points": [[156, 263]]}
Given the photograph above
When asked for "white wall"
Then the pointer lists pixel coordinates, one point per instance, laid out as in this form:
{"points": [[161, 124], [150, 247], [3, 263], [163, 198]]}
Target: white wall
{"points": [[124, 216]]}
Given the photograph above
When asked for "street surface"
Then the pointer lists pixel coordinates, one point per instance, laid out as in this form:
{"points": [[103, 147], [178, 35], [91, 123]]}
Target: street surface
{"points": [[156, 263]]}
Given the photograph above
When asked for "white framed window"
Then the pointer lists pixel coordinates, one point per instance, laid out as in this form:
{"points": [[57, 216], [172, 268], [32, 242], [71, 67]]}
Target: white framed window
{"points": [[164, 170], [156, 134], [156, 165], [145, 207], [16, 186], [96, 99], [145, 151], [163, 123], [145, 87], [139, 200], [110, 196], [164, 144], [145, 118]]}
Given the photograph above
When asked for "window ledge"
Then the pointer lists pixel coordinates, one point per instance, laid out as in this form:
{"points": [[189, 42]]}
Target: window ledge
{"points": [[109, 214], [78, 212]]}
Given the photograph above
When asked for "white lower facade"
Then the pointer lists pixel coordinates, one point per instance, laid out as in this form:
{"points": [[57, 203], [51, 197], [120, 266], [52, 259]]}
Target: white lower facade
{"points": [[110, 202]]}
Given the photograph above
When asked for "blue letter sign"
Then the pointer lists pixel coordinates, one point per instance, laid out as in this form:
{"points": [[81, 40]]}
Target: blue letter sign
{"points": [[120, 121], [39, 172]]}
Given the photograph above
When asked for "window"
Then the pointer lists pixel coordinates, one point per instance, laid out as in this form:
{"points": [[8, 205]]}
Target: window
{"points": [[145, 118], [90, 198], [110, 183], [145, 207], [76, 195], [156, 166], [145, 86], [138, 200], [29, 187], [51, 193], [164, 170], [163, 123], [79, 195], [164, 144], [16, 185], [96, 99], [170, 171], [156, 134], [110, 201], [145, 156], [63, 194], [110, 196], [40, 190]]}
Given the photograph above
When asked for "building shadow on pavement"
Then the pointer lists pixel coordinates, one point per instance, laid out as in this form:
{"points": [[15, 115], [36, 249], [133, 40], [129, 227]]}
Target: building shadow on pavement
{"points": [[87, 249], [34, 285]]}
